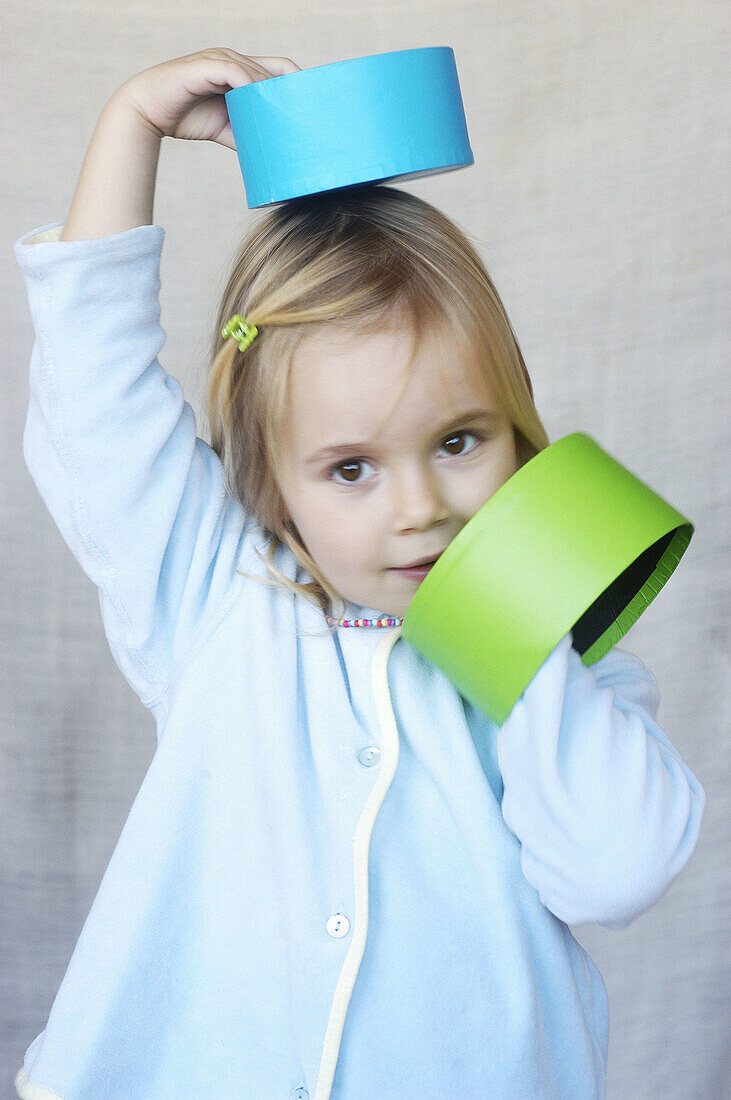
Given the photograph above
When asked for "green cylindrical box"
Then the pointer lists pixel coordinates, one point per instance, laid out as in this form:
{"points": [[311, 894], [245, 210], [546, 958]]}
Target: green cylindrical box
{"points": [[572, 541]]}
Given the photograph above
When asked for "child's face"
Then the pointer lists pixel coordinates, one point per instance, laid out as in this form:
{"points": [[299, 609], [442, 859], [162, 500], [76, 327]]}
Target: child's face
{"points": [[399, 494]]}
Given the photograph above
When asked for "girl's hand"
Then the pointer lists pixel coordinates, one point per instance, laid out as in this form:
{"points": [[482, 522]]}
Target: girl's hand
{"points": [[183, 98]]}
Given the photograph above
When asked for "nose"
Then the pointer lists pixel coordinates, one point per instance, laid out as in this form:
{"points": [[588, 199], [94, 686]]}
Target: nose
{"points": [[418, 500]]}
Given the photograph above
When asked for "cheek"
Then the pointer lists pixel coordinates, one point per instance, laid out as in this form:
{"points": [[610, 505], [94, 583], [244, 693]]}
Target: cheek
{"points": [[332, 535], [506, 461], [507, 468], [343, 542], [489, 479]]}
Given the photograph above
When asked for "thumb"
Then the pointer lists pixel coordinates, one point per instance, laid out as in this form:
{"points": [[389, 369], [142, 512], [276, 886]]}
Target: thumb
{"points": [[226, 137]]}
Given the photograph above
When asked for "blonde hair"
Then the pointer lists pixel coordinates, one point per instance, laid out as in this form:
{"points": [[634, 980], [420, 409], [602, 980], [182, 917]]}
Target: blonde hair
{"points": [[347, 257]]}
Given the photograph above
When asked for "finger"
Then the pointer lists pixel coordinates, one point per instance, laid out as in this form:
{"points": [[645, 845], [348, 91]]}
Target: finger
{"points": [[226, 138], [218, 53], [224, 56], [220, 72], [276, 66], [280, 65]]}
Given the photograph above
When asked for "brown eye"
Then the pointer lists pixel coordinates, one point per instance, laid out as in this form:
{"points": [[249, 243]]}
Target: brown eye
{"points": [[451, 440], [350, 472], [459, 436]]}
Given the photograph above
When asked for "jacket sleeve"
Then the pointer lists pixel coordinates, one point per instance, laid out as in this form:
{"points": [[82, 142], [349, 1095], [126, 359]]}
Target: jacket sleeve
{"points": [[111, 445], [606, 811]]}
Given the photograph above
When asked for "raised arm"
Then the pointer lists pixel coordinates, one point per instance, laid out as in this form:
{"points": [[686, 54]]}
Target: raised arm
{"points": [[109, 440], [182, 98]]}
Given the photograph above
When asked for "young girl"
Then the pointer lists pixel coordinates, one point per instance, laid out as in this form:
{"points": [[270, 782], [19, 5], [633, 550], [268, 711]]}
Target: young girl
{"points": [[338, 878]]}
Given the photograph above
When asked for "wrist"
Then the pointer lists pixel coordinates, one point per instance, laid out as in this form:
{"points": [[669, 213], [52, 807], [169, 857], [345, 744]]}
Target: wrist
{"points": [[123, 105]]}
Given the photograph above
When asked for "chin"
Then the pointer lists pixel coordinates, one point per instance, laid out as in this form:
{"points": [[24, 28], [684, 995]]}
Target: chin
{"points": [[396, 610]]}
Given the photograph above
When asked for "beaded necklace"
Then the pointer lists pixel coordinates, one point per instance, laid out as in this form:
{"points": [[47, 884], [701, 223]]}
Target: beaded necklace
{"points": [[385, 621]]}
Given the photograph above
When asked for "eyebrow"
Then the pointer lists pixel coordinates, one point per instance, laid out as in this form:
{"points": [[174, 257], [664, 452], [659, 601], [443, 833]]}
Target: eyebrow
{"points": [[338, 450]]}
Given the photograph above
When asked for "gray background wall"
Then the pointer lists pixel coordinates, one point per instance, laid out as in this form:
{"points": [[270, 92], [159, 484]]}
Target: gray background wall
{"points": [[596, 200]]}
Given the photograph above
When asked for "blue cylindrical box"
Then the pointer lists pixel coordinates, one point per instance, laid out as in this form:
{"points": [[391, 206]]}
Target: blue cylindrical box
{"points": [[389, 116]]}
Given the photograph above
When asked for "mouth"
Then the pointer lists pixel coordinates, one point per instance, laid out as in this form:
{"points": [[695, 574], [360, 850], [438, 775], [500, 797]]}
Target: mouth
{"points": [[416, 571]]}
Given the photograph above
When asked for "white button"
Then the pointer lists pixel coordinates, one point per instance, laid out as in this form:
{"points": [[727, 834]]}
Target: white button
{"points": [[338, 926], [369, 756]]}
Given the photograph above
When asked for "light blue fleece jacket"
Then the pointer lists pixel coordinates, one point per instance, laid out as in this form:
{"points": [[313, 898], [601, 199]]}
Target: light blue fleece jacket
{"points": [[338, 878]]}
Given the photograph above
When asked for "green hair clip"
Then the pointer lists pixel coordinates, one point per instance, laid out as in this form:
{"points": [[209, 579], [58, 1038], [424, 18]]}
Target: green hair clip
{"points": [[238, 328]]}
